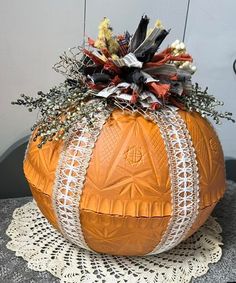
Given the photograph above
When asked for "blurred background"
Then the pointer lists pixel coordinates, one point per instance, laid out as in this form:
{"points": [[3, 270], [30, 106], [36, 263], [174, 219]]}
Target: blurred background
{"points": [[34, 33]]}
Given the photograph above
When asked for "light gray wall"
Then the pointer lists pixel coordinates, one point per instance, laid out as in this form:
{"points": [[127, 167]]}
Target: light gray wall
{"points": [[34, 33], [211, 40]]}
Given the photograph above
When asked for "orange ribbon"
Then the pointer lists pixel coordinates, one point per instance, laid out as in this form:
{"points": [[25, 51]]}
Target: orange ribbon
{"points": [[160, 90], [165, 56]]}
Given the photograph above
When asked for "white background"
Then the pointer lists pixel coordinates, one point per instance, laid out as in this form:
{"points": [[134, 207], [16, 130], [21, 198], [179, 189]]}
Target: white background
{"points": [[34, 33]]}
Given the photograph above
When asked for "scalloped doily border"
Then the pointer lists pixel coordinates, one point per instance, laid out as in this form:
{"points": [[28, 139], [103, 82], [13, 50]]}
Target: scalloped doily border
{"points": [[45, 249]]}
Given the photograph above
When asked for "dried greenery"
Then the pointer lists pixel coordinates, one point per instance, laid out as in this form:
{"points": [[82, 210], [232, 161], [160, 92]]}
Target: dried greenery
{"points": [[88, 71], [64, 105], [60, 109], [205, 104]]}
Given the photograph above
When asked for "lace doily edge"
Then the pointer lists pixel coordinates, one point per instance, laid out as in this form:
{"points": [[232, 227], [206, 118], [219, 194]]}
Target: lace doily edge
{"points": [[37, 261]]}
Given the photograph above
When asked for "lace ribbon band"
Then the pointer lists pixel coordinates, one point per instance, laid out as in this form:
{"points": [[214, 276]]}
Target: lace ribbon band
{"points": [[70, 178], [44, 249], [183, 169], [184, 177]]}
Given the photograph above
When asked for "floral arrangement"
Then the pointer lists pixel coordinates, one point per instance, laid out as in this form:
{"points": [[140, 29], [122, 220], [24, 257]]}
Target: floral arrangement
{"points": [[121, 71]]}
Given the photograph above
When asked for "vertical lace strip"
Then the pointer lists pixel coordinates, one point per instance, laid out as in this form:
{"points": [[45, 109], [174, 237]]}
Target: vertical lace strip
{"points": [[70, 177], [44, 249], [184, 177]]}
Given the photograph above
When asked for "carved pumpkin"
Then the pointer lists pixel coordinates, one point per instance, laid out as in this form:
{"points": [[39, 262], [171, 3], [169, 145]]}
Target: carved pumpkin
{"points": [[135, 186]]}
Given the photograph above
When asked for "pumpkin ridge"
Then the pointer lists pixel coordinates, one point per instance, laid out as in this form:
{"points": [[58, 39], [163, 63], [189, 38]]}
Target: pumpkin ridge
{"points": [[141, 216]]}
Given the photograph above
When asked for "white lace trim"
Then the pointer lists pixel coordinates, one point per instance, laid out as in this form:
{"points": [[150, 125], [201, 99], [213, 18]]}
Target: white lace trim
{"points": [[184, 177], [45, 249], [70, 177], [183, 169]]}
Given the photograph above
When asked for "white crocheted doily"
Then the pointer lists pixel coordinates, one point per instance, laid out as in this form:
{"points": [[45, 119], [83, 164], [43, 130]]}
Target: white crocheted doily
{"points": [[34, 239]]}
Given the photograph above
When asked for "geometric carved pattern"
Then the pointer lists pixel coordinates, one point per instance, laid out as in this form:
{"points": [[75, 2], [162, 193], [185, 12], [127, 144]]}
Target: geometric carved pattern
{"points": [[184, 177], [75, 158], [134, 156], [34, 239], [110, 137], [70, 177]]}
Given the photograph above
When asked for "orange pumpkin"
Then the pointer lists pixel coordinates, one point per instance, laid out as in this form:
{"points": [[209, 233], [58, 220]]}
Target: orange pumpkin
{"points": [[136, 187]]}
